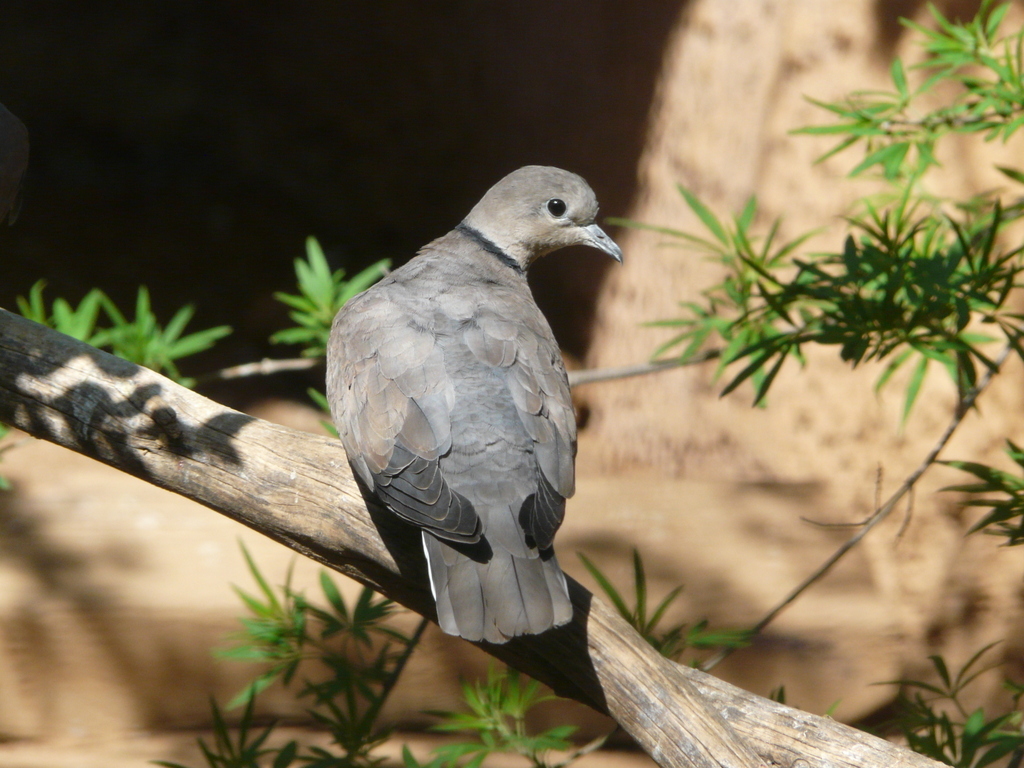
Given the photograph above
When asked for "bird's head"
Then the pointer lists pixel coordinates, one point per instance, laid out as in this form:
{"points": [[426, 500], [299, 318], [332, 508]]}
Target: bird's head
{"points": [[538, 209]]}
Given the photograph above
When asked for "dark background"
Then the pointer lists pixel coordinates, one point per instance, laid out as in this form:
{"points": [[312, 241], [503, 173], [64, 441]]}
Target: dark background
{"points": [[191, 145]]}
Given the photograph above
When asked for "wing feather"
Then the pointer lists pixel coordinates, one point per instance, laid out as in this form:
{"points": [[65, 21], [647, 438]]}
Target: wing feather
{"points": [[391, 398], [535, 377]]}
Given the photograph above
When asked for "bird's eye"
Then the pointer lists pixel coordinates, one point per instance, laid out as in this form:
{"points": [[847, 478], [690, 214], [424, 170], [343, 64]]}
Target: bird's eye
{"points": [[556, 207]]}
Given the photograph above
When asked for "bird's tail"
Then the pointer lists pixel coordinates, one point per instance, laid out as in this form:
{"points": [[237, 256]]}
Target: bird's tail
{"points": [[494, 595]]}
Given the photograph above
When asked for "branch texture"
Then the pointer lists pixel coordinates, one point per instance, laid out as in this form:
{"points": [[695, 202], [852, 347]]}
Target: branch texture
{"points": [[297, 489]]}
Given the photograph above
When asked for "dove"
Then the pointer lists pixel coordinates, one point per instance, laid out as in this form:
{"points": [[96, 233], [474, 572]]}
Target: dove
{"points": [[451, 400]]}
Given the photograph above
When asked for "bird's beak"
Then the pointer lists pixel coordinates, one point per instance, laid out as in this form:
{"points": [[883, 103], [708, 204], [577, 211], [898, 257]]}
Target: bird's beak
{"points": [[600, 240]]}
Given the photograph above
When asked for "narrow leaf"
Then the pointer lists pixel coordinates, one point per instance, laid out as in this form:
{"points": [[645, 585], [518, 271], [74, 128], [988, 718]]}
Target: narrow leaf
{"points": [[914, 386], [705, 215], [899, 79]]}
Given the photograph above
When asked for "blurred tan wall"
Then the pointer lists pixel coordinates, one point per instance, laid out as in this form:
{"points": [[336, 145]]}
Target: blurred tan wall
{"points": [[735, 82]]}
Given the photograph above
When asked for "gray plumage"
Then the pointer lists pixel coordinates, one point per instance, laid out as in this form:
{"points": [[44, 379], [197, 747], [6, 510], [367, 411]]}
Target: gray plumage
{"points": [[451, 399]]}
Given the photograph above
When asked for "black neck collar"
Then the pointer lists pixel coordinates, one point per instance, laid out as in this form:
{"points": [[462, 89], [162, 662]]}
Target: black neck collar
{"points": [[490, 246]]}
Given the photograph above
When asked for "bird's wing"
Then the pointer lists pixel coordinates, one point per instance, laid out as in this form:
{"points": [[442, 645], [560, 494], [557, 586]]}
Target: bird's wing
{"points": [[532, 367], [391, 399]]}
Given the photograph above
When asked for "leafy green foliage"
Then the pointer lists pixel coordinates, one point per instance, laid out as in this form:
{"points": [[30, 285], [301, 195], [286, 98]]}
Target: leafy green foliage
{"points": [[897, 137], [916, 276], [935, 722], [142, 340], [907, 288], [241, 749], [1006, 517], [321, 294], [670, 642], [732, 313], [497, 719], [77, 322], [360, 658]]}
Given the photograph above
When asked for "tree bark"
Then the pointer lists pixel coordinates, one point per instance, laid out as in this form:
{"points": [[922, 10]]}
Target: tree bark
{"points": [[297, 489]]}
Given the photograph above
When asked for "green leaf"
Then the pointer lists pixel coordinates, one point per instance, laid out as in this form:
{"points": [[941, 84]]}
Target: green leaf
{"points": [[33, 307], [892, 367], [766, 382], [890, 157], [943, 671], [197, 342], [669, 231], [705, 215], [319, 398], [659, 611], [606, 586], [272, 602], [746, 218], [364, 279], [640, 586], [321, 294], [287, 755], [177, 323], [1011, 173], [251, 691], [846, 143], [914, 386], [333, 596], [899, 79], [995, 18], [758, 362]]}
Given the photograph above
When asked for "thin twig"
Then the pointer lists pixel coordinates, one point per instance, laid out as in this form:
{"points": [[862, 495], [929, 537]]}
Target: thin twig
{"points": [[823, 524], [907, 517], [594, 375], [267, 366], [965, 405], [264, 367], [935, 120]]}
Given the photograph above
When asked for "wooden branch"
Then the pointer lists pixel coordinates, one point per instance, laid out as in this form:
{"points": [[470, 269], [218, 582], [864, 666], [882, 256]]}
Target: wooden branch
{"points": [[297, 489]]}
